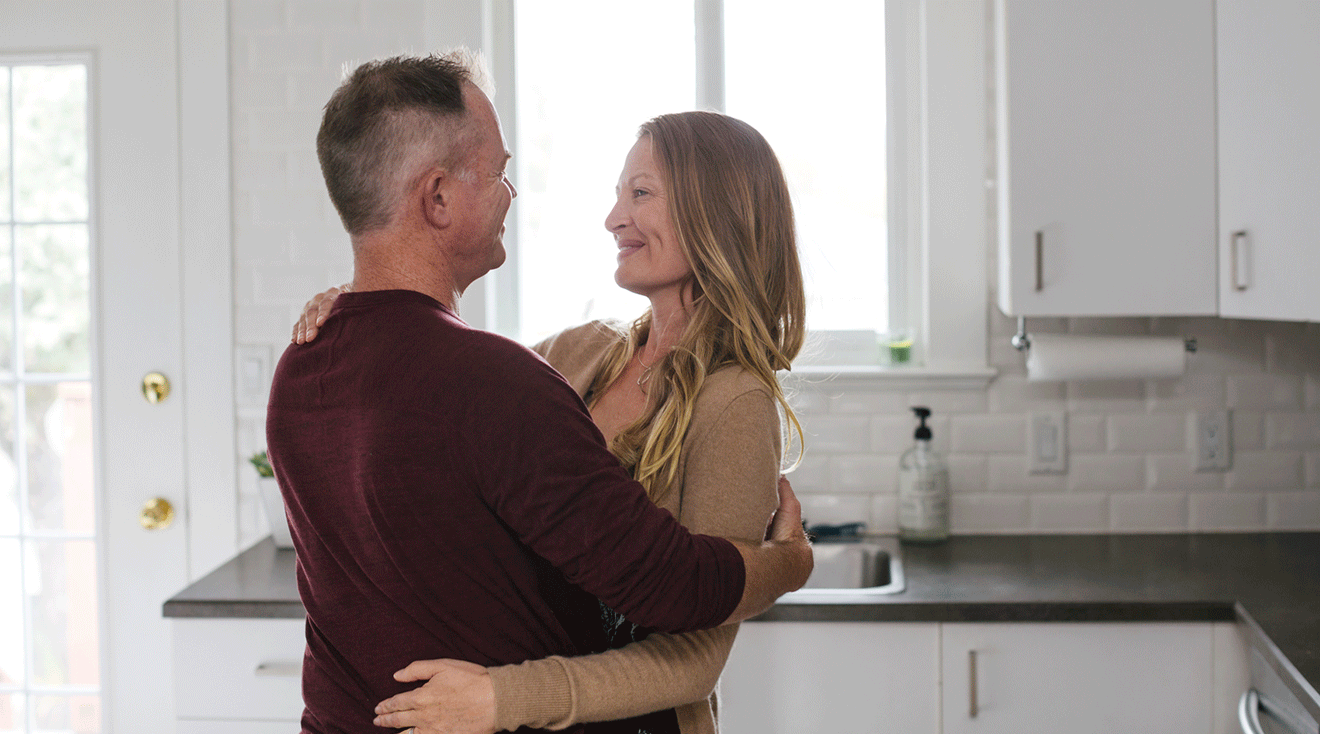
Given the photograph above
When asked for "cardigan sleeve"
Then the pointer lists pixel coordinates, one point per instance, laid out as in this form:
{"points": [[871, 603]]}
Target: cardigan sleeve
{"points": [[729, 489]]}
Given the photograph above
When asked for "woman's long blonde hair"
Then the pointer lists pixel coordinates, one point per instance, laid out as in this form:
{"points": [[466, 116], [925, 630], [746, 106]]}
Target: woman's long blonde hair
{"points": [[730, 207]]}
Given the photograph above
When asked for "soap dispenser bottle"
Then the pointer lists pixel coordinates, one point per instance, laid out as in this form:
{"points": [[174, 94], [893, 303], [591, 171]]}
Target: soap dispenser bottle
{"points": [[923, 489]]}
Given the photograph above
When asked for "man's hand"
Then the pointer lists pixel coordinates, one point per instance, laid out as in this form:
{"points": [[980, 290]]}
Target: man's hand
{"points": [[315, 313], [458, 698]]}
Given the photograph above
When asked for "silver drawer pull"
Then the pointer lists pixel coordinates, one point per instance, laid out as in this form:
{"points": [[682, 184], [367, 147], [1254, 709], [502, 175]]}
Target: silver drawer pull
{"points": [[1237, 263], [1250, 706], [1249, 712], [279, 669], [972, 707]]}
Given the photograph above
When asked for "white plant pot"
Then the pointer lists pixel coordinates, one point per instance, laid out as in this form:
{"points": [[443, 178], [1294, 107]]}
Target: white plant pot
{"points": [[273, 502]]}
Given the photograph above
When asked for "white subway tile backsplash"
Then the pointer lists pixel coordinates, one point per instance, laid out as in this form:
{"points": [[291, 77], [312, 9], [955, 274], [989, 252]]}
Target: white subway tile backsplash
{"points": [[865, 473], [1009, 474], [1293, 431], [1070, 513], [323, 15], [1175, 473], [1294, 350], [812, 475], [1192, 392], [1107, 396], [1087, 433], [837, 434], [884, 514], [969, 473], [990, 513], [257, 15], [1155, 432], [1107, 473], [1227, 353], [1147, 513], [355, 47], [1016, 394], [1293, 510], [877, 403], [1248, 431], [1226, 512], [835, 509], [1265, 471], [806, 398], [392, 15], [953, 401], [891, 434], [989, 434], [272, 53], [1265, 392]]}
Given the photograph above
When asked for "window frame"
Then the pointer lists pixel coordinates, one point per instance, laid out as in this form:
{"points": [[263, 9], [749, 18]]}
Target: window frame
{"points": [[938, 208]]}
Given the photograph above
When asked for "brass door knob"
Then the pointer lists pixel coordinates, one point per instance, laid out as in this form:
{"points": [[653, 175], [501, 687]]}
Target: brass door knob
{"points": [[156, 514], [155, 387]]}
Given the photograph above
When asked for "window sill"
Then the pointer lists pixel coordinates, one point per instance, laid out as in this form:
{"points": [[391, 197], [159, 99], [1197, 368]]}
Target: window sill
{"points": [[896, 378]]}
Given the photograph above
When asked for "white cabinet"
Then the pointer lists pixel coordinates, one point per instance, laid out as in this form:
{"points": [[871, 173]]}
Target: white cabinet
{"points": [[238, 675], [1078, 678], [1106, 157], [854, 677], [1269, 159]]}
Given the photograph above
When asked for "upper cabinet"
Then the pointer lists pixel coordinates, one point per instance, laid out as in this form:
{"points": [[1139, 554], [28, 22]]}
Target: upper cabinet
{"points": [[1269, 159], [1105, 115]]}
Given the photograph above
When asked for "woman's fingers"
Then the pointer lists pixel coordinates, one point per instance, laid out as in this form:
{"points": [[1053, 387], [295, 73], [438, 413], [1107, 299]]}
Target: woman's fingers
{"points": [[398, 720], [422, 670], [315, 313], [787, 522]]}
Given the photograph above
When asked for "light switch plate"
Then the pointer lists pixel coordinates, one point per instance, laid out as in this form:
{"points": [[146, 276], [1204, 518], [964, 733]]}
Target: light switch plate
{"points": [[1212, 440], [1047, 443]]}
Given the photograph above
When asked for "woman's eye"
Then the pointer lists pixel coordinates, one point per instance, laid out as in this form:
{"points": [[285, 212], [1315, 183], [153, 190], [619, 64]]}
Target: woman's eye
{"points": [[639, 192]]}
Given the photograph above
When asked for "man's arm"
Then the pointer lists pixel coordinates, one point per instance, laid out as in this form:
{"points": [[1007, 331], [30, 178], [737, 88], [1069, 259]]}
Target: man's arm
{"points": [[780, 564]]}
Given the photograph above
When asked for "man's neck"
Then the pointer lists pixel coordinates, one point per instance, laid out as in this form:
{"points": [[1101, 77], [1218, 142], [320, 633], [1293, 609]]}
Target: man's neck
{"points": [[380, 266]]}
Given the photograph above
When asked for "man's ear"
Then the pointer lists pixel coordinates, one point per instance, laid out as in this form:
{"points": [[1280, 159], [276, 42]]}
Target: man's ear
{"points": [[436, 194]]}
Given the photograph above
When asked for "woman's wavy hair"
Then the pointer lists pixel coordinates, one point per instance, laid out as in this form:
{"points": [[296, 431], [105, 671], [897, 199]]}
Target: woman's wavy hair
{"points": [[730, 207]]}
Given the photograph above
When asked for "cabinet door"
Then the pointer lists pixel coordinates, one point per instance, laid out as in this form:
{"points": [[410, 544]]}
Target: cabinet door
{"points": [[238, 669], [854, 677], [1269, 159], [1077, 678], [1106, 157]]}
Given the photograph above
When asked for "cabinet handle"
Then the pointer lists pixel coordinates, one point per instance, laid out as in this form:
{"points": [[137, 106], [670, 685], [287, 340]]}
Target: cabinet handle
{"points": [[1235, 253], [1250, 705], [279, 669], [972, 706], [1040, 260]]}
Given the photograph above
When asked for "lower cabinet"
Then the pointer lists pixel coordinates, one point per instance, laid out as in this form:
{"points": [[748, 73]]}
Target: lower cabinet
{"points": [[238, 676], [836, 677], [985, 678]]}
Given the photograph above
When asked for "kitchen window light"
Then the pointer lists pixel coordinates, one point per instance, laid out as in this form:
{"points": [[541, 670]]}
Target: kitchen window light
{"points": [[894, 274]]}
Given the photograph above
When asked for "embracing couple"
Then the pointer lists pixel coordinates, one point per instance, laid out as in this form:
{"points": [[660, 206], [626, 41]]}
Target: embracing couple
{"points": [[491, 537]]}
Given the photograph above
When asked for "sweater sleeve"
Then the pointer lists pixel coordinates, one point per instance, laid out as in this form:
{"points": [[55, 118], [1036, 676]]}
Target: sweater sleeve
{"points": [[730, 479]]}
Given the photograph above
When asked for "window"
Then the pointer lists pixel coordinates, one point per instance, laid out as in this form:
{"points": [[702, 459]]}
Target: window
{"points": [[585, 81]]}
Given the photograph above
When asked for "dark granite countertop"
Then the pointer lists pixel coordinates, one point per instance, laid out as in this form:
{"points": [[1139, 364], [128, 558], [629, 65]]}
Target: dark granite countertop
{"points": [[1268, 581]]}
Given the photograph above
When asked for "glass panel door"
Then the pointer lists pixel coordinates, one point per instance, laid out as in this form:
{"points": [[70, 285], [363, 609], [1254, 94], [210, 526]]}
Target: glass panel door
{"points": [[49, 602]]}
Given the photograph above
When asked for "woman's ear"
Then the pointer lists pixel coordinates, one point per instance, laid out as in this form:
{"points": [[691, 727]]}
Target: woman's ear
{"points": [[436, 194]]}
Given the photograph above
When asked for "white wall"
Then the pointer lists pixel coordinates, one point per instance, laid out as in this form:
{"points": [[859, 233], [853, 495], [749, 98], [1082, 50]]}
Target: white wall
{"points": [[1129, 463]]}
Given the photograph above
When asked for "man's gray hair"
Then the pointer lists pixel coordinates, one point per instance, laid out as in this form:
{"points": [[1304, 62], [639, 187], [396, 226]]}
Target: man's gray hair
{"points": [[389, 117]]}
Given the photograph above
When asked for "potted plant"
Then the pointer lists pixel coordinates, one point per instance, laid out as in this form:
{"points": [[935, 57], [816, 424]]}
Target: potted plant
{"points": [[271, 500]]}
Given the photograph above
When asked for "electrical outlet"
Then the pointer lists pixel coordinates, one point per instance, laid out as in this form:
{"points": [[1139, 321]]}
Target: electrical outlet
{"points": [[1212, 439], [1047, 443]]}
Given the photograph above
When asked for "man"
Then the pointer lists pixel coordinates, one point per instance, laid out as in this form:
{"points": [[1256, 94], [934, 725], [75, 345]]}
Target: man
{"points": [[448, 493]]}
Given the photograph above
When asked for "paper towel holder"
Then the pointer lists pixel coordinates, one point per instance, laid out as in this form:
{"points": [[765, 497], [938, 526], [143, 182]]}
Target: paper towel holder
{"points": [[1021, 341]]}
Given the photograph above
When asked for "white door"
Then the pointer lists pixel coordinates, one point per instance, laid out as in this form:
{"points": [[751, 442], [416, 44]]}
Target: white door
{"points": [[95, 649], [1269, 160]]}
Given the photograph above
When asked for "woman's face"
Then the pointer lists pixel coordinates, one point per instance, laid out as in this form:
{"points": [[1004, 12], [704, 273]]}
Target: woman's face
{"points": [[650, 261]]}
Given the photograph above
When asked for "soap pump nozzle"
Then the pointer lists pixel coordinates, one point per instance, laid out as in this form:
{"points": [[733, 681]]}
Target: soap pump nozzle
{"points": [[923, 431]]}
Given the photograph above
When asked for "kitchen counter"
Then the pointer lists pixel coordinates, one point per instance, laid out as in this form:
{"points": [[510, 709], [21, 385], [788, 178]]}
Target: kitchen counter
{"points": [[1268, 581]]}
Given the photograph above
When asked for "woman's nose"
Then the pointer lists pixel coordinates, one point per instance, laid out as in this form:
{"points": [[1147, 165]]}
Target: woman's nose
{"points": [[616, 218]]}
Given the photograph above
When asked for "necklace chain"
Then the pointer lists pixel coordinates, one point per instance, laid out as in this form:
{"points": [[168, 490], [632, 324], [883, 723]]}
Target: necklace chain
{"points": [[643, 378]]}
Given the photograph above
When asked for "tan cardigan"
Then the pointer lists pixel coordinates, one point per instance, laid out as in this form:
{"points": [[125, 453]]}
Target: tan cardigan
{"points": [[726, 486]]}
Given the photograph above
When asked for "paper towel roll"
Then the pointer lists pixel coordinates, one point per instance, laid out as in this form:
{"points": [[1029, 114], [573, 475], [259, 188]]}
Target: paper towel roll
{"points": [[1066, 357]]}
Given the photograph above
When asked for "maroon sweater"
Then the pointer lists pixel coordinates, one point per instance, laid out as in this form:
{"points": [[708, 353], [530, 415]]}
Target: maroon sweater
{"points": [[450, 497]]}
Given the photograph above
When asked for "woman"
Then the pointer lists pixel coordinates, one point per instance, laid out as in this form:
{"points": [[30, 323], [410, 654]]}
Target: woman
{"points": [[687, 399]]}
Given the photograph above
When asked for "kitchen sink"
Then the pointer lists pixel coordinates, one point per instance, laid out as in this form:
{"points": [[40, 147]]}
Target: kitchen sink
{"points": [[851, 570]]}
